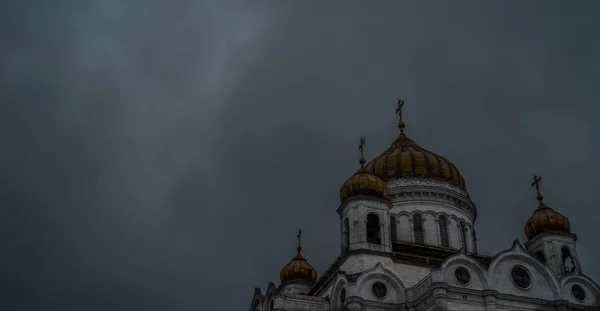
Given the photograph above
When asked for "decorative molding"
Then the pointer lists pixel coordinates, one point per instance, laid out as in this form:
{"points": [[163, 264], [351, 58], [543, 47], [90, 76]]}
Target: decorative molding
{"points": [[424, 182], [430, 195]]}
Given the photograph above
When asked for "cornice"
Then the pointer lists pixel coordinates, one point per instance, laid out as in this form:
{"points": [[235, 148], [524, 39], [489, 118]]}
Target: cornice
{"points": [[424, 182], [450, 199]]}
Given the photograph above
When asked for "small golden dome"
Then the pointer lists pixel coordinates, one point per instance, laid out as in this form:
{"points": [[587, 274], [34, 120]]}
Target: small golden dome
{"points": [[363, 182], [545, 219], [404, 158], [298, 268]]}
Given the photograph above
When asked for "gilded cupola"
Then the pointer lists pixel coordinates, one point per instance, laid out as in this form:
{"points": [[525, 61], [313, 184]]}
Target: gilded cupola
{"points": [[363, 183], [298, 269], [404, 158], [545, 219]]}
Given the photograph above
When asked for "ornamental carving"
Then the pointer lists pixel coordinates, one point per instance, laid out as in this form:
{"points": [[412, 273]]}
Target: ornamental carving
{"points": [[427, 182], [436, 197]]}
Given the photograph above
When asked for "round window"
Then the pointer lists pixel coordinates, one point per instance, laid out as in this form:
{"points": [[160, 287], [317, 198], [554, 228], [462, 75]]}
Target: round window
{"points": [[379, 290], [343, 295], [520, 277], [578, 292], [462, 275]]}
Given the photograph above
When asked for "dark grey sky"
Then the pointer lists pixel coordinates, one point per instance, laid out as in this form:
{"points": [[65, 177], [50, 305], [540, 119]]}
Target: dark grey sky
{"points": [[160, 155]]}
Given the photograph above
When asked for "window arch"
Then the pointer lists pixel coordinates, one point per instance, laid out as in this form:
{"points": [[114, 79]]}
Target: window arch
{"points": [[567, 260], [271, 306], [393, 231], [444, 231], [418, 229], [373, 234], [346, 233], [463, 236]]}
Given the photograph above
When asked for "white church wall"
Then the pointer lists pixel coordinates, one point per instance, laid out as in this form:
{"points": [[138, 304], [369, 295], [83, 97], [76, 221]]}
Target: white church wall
{"points": [[403, 228], [394, 288], [591, 290], [453, 234], [541, 281], [477, 274], [430, 228], [464, 306], [410, 274], [431, 211]]}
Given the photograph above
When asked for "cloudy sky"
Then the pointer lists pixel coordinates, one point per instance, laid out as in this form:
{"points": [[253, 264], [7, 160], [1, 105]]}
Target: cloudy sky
{"points": [[160, 155]]}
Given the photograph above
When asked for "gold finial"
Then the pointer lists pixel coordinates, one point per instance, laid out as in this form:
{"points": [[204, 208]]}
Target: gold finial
{"points": [[399, 113], [536, 184], [361, 147], [299, 248]]}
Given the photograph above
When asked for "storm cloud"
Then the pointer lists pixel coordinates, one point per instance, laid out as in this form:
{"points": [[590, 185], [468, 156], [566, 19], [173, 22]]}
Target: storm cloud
{"points": [[160, 155]]}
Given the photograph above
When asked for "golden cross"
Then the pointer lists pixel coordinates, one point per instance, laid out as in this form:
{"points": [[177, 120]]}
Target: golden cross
{"points": [[361, 147], [399, 113], [299, 236], [536, 184]]}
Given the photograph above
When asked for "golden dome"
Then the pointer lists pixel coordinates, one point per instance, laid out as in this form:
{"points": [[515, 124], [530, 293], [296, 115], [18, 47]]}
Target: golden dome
{"points": [[298, 268], [545, 219], [363, 182], [404, 158]]}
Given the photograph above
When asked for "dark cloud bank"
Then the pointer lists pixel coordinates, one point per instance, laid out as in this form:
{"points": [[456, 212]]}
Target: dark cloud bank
{"points": [[160, 155]]}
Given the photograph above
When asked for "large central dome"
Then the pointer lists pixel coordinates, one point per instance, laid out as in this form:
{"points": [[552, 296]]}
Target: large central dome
{"points": [[404, 158]]}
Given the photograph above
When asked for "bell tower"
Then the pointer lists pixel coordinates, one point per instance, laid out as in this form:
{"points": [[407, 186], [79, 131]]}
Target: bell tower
{"points": [[364, 211], [550, 238]]}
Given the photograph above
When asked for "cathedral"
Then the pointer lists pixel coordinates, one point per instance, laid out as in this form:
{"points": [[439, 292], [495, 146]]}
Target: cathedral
{"points": [[408, 243]]}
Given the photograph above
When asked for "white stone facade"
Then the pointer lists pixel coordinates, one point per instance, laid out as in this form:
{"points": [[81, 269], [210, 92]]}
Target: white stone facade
{"points": [[394, 264]]}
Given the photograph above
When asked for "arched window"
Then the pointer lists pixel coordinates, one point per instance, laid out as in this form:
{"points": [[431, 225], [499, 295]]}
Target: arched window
{"points": [[271, 306], [540, 256], [567, 259], [418, 229], [444, 231], [373, 235], [393, 228], [346, 233], [463, 236]]}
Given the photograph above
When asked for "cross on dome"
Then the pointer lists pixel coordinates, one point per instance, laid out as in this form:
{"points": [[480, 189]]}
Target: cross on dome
{"points": [[536, 184], [361, 148], [399, 107]]}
